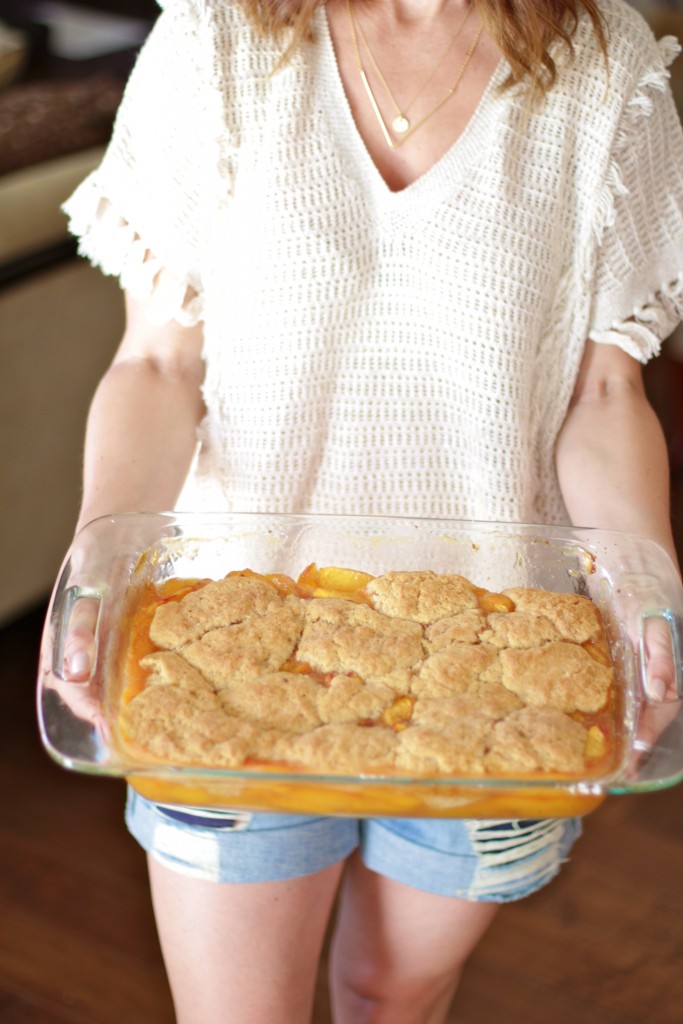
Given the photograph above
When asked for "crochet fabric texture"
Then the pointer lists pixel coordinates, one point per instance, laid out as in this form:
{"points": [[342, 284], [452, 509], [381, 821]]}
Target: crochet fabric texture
{"points": [[371, 351]]}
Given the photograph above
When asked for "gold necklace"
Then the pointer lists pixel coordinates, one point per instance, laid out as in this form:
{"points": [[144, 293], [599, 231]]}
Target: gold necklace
{"points": [[400, 124]]}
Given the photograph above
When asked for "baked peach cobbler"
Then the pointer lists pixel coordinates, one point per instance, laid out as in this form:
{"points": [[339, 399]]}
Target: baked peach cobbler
{"points": [[338, 672]]}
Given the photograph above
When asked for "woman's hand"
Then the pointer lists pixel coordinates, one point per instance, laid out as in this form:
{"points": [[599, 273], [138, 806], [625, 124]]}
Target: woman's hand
{"points": [[662, 704], [80, 644], [69, 658], [661, 684], [613, 470]]}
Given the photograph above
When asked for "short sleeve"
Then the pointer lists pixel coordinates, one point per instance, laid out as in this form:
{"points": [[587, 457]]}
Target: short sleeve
{"points": [[141, 214], [638, 283]]}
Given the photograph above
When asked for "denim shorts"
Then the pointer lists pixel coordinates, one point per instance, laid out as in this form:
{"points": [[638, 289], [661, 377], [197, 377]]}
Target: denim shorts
{"points": [[496, 861]]}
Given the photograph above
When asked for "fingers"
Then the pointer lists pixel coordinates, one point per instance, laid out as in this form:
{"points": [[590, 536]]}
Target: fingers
{"points": [[74, 646], [654, 720], [80, 644], [660, 667], [662, 704]]}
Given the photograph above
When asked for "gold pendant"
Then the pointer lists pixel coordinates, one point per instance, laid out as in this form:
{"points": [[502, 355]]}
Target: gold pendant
{"points": [[377, 112]]}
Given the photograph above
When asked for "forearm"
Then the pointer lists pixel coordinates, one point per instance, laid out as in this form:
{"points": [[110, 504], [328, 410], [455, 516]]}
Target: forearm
{"points": [[612, 464], [140, 439]]}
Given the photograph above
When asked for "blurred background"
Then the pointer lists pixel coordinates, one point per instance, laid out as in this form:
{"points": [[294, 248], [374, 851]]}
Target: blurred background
{"points": [[62, 71], [603, 945]]}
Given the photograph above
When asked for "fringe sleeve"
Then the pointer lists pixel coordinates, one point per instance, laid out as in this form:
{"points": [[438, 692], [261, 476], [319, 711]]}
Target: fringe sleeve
{"points": [[639, 228], [142, 215]]}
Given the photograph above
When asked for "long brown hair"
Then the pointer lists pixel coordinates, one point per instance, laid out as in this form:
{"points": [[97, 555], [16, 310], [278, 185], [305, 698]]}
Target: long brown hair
{"points": [[525, 31]]}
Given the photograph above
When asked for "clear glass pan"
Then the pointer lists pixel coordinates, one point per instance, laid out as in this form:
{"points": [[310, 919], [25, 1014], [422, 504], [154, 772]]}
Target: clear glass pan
{"points": [[632, 580]]}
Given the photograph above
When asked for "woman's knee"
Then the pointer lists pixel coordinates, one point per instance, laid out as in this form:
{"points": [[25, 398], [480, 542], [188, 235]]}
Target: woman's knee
{"points": [[397, 953], [367, 992]]}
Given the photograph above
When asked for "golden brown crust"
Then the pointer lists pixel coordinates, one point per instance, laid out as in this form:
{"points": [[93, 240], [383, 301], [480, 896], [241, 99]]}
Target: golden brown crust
{"points": [[428, 681], [422, 596], [463, 628], [219, 603], [537, 739], [558, 675], [235, 654], [455, 669], [349, 699], [166, 668], [574, 617], [188, 727], [346, 747], [485, 700], [339, 636], [428, 751], [518, 629], [282, 700]]}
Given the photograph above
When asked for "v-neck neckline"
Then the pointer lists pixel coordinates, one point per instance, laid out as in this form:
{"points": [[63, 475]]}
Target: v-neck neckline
{"points": [[444, 175]]}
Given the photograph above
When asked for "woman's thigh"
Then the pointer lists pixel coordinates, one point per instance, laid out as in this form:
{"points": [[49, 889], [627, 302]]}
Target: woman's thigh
{"points": [[241, 903], [416, 898], [242, 953], [397, 951]]}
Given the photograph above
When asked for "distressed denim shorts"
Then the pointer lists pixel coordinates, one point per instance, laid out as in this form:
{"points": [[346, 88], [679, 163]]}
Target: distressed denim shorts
{"points": [[497, 861]]}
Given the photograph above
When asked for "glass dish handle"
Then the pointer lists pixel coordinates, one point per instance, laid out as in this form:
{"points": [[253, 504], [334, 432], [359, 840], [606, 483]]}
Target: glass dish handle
{"points": [[666, 623], [78, 607]]}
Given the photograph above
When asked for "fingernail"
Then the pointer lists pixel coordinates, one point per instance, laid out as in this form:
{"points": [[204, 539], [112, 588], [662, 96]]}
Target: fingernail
{"points": [[657, 689], [79, 664]]}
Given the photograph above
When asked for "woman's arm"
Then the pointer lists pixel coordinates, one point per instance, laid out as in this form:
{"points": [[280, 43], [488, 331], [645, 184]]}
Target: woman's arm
{"points": [[611, 454], [614, 473], [141, 429], [140, 439]]}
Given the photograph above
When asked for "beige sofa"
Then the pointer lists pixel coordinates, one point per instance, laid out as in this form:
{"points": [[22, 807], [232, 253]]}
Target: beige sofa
{"points": [[60, 320], [59, 326]]}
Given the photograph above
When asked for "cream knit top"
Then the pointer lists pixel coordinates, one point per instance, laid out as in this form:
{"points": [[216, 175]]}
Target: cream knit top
{"points": [[370, 351]]}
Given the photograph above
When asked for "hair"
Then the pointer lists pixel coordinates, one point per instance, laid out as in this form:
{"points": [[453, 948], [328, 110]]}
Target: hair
{"points": [[525, 31]]}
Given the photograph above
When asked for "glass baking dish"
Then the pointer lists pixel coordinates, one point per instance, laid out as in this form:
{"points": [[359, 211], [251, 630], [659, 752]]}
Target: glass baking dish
{"points": [[632, 580]]}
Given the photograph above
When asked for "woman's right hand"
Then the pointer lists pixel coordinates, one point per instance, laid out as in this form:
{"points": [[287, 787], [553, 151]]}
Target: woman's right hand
{"points": [[80, 643], [69, 657], [661, 683]]}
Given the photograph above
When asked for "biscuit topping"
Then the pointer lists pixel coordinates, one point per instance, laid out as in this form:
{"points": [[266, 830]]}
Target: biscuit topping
{"points": [[410, 673]]}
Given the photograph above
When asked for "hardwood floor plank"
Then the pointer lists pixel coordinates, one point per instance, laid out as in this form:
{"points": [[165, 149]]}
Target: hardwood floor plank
{"points": [[584, 939], [93, 901], [489, 993], [91, 981], [19, 1011]]}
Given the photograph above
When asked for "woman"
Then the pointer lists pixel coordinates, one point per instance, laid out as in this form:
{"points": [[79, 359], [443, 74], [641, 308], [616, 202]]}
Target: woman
{"points": [[386, 256]]}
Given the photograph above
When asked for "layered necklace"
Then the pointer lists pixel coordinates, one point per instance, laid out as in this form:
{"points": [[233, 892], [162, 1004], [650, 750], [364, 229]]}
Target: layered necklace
{"points": [[401, 125]]}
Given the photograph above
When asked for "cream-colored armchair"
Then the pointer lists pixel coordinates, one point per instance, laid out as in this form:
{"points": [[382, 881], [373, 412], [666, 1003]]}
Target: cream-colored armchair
{"points": [[60, 322]]}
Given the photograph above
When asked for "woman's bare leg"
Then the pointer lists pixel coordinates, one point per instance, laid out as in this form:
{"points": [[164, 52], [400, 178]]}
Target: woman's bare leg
{"points": [[242, 954], [397, 953]]}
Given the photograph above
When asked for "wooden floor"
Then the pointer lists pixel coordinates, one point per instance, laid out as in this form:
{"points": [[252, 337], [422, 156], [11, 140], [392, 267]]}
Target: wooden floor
{"points": [[602, 945]]}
